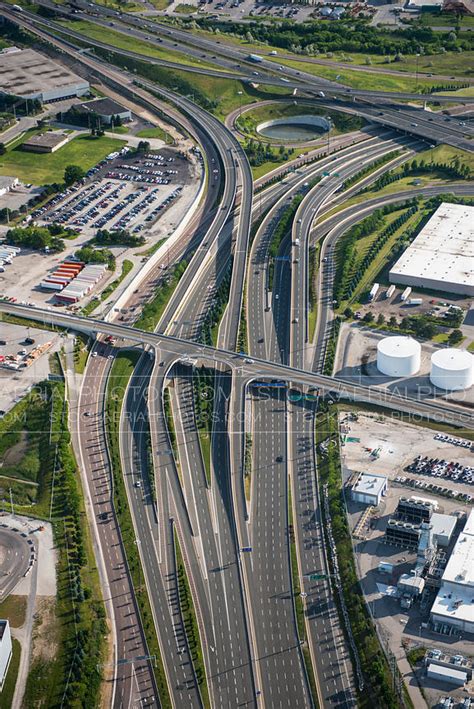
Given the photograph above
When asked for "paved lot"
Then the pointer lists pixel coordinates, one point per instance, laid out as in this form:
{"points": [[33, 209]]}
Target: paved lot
{"points": [[145, 208], [356, 361], [399, 444]]}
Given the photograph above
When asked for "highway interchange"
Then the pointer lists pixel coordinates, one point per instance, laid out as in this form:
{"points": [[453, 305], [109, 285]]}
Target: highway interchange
{"points": [[253, 653]]}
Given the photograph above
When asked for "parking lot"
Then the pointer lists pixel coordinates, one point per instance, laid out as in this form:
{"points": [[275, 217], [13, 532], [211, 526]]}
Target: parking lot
{"points": [[124, 192], [398, 444], [152, 206]]}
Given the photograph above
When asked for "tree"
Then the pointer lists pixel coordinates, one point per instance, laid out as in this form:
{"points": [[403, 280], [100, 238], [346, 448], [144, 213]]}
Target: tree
{"points": [[455, 337], [143, 146], [368, 317], [348, 313], [3, 149], [381, 319], [73, 173]]}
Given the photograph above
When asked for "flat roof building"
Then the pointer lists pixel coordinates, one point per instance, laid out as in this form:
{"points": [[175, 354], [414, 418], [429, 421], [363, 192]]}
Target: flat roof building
{"points": [[45, 142], [441, 257], [369, 489], [454, 605], [30, 75], [106, 109], [450, 675], [442, 527], [5, 650]]}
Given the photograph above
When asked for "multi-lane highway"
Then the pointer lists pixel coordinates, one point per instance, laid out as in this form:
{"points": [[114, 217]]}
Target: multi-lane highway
{"points": [[239, 547]]}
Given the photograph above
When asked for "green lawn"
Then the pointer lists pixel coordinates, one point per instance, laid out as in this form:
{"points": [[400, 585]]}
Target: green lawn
{"points": [[132, 44], [185, 9], [359, 79], [446, 153], [10, 681], [84, 151], [155, 132], [14, 608]]}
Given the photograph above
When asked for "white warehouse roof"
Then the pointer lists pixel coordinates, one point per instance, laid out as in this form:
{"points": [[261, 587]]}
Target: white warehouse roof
{"points": [[455, 599], [442, 255]]}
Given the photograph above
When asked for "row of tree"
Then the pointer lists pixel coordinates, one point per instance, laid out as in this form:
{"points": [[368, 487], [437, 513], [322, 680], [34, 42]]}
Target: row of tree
{"points": [[454, 170]]}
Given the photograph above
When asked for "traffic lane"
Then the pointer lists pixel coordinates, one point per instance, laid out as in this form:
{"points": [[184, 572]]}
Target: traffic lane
{"points": [[134, 680], [15, 553], [330, 650], [163, 591], [283, 673]]}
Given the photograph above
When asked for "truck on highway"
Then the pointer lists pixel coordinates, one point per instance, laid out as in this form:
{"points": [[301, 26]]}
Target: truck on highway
{"points": [[255, 58], [373, 291], [406, 294]]}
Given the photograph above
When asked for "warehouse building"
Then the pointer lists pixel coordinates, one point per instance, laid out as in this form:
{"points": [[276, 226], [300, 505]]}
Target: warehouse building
{"points": [[369, 489], [453, 608], [5, 650], [441, 257], [449, 675], [106, 109], [30, 75], [45, 142]]}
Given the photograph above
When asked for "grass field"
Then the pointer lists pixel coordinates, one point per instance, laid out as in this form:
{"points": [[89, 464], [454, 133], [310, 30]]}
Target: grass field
{"points": [[359, 79], [84, 151], [10, 681], [14, 609], [132, 44], [155, 132]]}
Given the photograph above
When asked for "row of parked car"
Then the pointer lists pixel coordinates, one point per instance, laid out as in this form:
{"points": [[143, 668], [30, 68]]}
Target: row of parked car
{"points": [[154, 214], [461, 442], [439, 468], [434, 488], [149, 179], [137, 209], [96, 197]]}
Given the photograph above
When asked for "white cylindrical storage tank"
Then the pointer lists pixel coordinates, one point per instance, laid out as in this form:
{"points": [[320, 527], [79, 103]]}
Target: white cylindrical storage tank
{"points": [[452, 369], [398, 356]]}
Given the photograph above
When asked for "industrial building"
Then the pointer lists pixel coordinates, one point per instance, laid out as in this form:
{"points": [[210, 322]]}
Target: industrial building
{"points": [[369, 489], [441, 257], [30, 75], [47, 142], [398, 356], [106, 109], [453, 608], [415, 509], [7, 183], [450, 675], [5, 650], [452, 369], [402, 534], [442, 528]]}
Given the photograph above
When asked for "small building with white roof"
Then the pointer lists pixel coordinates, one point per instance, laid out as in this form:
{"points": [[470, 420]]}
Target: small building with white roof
{"points": [[369, 489]]}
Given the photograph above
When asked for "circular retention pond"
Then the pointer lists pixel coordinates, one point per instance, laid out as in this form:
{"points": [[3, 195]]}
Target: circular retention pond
{"points": [[294, 128]]}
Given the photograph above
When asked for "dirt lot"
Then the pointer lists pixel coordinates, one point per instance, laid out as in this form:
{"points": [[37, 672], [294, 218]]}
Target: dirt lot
{"points": [[356, 361]]}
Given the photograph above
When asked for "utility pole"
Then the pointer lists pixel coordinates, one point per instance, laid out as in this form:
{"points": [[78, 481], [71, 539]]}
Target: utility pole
{"points": [[11, 503]]}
